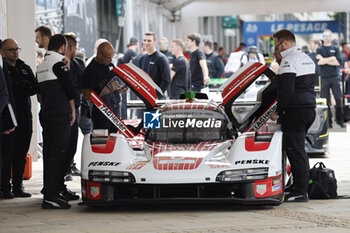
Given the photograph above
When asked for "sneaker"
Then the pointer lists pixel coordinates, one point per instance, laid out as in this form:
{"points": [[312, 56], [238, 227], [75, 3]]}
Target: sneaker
{"points": [[75, 170], [297, 197], [341, 124], [7, 195], [69, 195], [21, 193], [68, 177], [56, 203]]}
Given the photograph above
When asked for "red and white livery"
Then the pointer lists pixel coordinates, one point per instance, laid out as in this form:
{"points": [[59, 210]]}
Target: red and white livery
{"points": [[199, 150]]}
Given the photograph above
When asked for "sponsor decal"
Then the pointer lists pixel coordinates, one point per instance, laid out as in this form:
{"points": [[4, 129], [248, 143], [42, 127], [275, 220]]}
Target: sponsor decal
{"points": [[192, 123], [94, 191], [176, 161], [263, 118], [151, 120], [103, 164], [155, 120], [218, 165], [276, 188], [307, 63], [260, 189], [253, 161], [112, 117]]}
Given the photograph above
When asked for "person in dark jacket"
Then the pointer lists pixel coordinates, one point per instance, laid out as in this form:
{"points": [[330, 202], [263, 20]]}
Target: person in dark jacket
{"points": [[57, 115], [215, 65], [295, 107], [74, 72], [3, 102], [23, 86]]}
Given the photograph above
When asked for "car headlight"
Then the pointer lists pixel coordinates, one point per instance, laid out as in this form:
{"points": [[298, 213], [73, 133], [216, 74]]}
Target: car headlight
{"points": [[243, 174], [111, 176]]}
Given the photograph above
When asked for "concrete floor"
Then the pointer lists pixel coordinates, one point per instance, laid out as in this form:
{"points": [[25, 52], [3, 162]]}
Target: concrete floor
{"points": [[25, 214]]}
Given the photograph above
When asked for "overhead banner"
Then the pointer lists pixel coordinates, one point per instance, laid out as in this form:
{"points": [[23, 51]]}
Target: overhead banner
{"points": [[252, 30]]}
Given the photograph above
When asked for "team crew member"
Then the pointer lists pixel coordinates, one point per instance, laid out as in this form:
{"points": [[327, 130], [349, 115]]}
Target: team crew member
{"points": [[314, 44], [252, 56], [8, 125], [57, 115], [75, 69], [163, 48], [179, 71], [130, 53], [198, 63], [295, 107], [42, 36], [329, 60], [154, 63], [23, 86], [215, 65], [95, 79]]}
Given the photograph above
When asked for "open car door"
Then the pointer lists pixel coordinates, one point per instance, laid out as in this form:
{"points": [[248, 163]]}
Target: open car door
{"points": [[262, 97], [139, 82]]}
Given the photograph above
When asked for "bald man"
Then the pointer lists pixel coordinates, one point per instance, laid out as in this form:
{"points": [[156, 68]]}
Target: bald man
{"points": [[16, 145], [97, 43], [96, 75]]}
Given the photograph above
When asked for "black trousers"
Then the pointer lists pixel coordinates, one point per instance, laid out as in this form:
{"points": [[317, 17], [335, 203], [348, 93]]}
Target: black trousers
{"points": [[73, 141], [295, 124], [56, 132], [15, 148], [333, 83], [7, 154]]}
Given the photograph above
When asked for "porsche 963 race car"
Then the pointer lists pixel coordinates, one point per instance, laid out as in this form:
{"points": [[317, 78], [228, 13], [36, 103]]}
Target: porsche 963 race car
{"points": [[186, 150]]}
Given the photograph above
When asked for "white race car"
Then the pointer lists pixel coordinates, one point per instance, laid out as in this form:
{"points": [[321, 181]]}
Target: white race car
{"points": [[186, 150]]}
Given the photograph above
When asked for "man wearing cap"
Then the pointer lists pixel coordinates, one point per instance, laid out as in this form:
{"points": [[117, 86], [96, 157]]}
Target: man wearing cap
{"points": [[252, 56], [130, 53]]}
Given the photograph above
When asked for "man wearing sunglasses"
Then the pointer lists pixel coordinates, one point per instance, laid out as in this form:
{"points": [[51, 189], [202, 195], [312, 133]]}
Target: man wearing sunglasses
{"points": [[329, 60], [295, 107]]}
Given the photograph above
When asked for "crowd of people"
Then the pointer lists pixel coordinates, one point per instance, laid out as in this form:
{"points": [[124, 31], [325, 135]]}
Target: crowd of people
{"points": [[65, 79]]}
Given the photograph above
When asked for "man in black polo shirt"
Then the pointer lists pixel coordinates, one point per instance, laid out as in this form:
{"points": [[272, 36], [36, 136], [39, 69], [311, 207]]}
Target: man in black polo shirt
{"points": [[154, 63], [215, 65], [179, 71], [198, 63], [329, 61]]}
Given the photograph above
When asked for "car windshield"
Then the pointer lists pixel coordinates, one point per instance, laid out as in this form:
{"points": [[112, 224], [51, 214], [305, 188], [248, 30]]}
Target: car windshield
{"points": [[190, 126]]}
